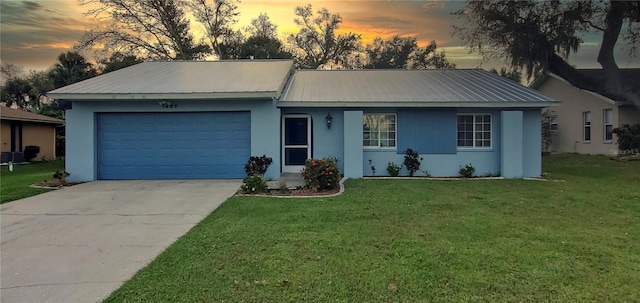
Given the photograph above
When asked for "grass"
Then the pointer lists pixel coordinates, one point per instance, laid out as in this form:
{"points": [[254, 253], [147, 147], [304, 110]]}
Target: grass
{"points": [[15, 185], [416, 241]]}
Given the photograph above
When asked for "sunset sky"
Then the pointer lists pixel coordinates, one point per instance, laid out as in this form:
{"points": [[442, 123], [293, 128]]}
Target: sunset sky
{"points": [[34, 33]]}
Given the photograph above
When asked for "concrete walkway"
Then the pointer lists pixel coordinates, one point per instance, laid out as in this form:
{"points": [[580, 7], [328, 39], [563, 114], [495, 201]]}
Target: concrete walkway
{"points": [[80, 243]]}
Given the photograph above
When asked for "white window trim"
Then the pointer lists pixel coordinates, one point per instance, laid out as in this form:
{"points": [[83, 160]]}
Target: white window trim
{"points": [[551, 122], [308, 146], [469, 148], [585, 125], [604, 125], [382, 147]]}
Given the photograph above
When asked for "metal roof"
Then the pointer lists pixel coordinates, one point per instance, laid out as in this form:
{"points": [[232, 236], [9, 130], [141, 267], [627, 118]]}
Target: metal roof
{"points": [[12, 114], [452, 87], [184, 80]]}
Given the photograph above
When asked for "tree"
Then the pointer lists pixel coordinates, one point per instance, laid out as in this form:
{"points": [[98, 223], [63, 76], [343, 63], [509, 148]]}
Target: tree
{"points": [[317, 41], [539, 36], [231, 46], [427, 57], [28, 91], [263, 48], [17, 91], [71, 67], [40, 83], [262, 27], [391, 53], [117, 61], [261, 44], [546, 133], [403, 52], [513, 74], [149, 28], [11, 71], [217, 17]]}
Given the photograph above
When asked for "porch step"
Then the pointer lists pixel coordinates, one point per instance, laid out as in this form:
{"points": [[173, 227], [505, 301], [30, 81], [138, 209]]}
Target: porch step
{"points": [[291, 181]]}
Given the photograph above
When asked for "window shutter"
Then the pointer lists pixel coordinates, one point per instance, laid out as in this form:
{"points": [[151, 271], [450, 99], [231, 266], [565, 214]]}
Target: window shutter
{"points": [[427, 131]]}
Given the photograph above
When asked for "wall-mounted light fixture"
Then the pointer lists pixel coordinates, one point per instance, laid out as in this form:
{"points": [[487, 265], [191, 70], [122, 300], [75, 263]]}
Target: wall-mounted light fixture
{"points": [[167, 104], [329, 120]]}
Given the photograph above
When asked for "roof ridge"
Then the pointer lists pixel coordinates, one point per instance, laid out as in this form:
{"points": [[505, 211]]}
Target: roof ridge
{"points": [[391, 69], [217, 61]]}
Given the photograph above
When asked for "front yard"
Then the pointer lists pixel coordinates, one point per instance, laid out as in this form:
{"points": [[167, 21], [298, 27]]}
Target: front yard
{"points": [[16, 185], [416, 240]]}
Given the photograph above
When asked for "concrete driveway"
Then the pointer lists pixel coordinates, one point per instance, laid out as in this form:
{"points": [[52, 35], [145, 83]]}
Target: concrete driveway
{"points": [[79, 244]]}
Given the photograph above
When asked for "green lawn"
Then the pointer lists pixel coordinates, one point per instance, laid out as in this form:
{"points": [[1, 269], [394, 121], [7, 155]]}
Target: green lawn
{"points": [[417, 241], [15, 185]]}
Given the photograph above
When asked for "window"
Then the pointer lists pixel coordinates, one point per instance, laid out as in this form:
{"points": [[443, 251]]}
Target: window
{"points": [[553, 123], [379, 130], [586, 121], [474, 130], [608, 124]]}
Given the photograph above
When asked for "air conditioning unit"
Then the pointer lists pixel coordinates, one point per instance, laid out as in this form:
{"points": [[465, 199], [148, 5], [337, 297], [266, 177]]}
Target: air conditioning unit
{"points": [[15, 157]]}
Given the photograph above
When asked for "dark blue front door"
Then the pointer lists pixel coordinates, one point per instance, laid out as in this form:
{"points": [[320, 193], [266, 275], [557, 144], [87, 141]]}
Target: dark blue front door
{"points": [[296, 139]]}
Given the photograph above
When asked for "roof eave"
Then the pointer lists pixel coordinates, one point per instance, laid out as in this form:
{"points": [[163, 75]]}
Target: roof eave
{"points": [[163, 96], [503, 104], [32, 120]]}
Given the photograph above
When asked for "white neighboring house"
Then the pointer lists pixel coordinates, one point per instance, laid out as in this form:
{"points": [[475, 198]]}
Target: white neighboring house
{"points": [[583, 121]]}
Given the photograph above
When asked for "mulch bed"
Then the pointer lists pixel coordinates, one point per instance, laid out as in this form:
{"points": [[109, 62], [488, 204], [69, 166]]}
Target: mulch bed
{"points": [[55, 183], [298, 192], [305, 192]]}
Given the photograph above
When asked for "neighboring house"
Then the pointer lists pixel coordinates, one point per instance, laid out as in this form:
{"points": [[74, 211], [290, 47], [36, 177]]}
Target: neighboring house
{"points": [[583, 121], [196, 119], [21, 128]]}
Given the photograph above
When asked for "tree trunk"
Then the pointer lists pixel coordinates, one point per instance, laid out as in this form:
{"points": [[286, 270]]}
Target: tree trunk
{"points": [[613, 21]]}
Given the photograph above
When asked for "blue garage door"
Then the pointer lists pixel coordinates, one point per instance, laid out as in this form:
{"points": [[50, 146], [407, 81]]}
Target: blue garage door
{"points": [[203, 145]]}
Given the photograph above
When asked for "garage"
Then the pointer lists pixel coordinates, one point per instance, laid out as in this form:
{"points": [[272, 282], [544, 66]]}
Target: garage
{"points": [[177, 145]]}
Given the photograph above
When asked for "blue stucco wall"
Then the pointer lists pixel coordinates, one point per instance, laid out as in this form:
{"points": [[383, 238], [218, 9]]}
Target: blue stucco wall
{"points": [[353, 144], [81, 129], [326, 142], [335, 143], [80, 144], [532, 136], [512, 133], [437, 165], [343, 140], [435, 162]]}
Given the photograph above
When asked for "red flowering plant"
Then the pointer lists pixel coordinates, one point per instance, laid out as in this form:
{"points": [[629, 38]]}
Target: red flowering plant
{"points": [[321, 174]]}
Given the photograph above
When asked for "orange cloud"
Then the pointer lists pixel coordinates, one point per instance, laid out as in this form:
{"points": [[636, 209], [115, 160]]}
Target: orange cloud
{"points": [[434, 4]]}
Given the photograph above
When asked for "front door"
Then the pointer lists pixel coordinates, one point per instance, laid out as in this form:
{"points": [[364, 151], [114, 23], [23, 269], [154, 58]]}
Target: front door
{"points": [[296, 142]]}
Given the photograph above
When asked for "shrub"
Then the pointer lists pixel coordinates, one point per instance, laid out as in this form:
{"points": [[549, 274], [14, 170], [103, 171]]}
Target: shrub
{"points": [[467, 171], [393, 169], [253, 184], [546, 131], [320, 174], [257, 166], [30, 152], [373, 168], [628, 138], [61, 175], [412, 161]]}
